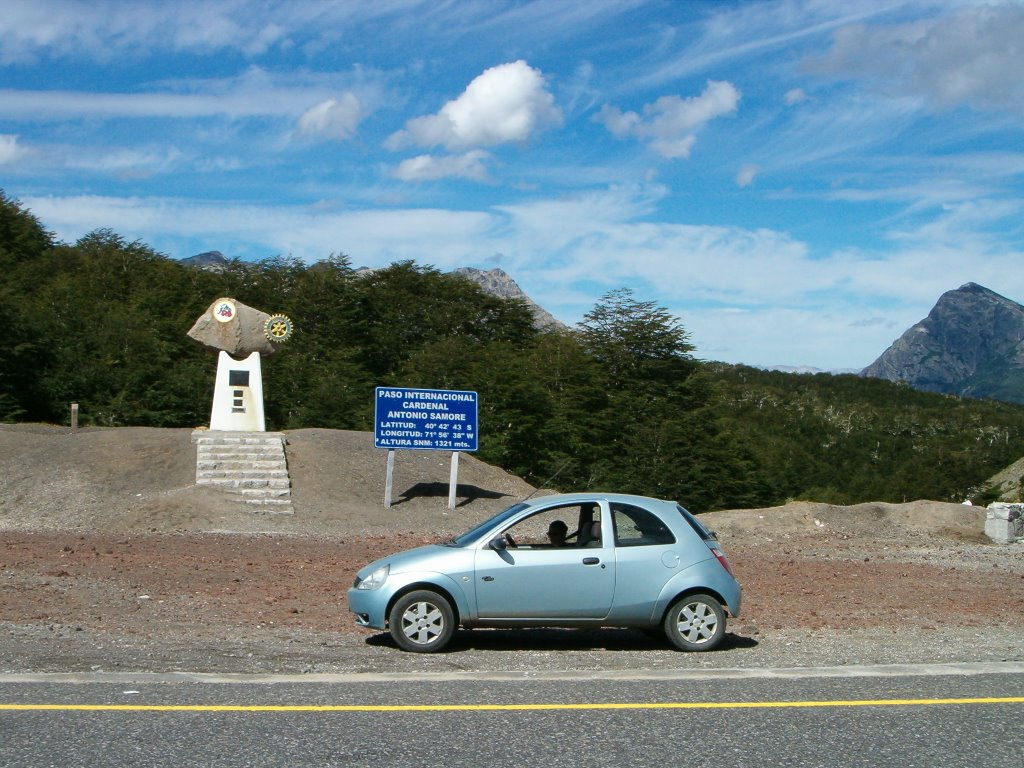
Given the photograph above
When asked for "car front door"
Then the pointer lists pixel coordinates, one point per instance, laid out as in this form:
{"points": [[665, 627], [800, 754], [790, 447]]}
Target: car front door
{"points": [[552, 583]]}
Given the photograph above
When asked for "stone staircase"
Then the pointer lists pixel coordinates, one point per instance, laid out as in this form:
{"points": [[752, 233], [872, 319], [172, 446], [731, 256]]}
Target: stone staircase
{"points": [[250, 466]]}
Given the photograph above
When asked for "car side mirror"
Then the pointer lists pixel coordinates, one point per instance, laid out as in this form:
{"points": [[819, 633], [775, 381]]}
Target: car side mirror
{"points": [[498, 543]]}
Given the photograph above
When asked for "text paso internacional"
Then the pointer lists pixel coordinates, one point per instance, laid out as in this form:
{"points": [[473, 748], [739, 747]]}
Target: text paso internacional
{"points": [[427, 419]]}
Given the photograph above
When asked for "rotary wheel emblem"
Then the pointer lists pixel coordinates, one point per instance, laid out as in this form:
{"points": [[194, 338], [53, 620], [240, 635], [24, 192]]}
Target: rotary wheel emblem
{"points": [[278, 328]]}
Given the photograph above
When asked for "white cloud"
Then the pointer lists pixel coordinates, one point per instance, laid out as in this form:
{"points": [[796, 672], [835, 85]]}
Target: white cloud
{"points": [[971, 57], [794, 96], [669, 125], [429, 168], [505, 104], [9, 149], [747, 175], [335, 118]]}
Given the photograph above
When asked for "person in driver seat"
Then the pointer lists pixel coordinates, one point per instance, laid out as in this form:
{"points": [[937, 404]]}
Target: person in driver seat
{"points": [[557, 532]]}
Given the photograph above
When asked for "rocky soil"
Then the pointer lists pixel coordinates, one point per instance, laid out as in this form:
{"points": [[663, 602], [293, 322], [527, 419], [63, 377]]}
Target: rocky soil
{"points": [[111, 559]]}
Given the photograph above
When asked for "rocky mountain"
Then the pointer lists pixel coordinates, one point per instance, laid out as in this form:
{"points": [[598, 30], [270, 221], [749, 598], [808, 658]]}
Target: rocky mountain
{"points": [[214, 261], [971, 343], [498, 283]]}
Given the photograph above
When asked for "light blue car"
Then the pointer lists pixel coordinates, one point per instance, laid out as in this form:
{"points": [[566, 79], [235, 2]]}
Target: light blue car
{"points": [[570, 560]]}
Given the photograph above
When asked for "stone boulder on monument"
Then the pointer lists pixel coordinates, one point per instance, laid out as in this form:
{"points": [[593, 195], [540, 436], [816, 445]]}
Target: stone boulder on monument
{"points": [[235, 328]]}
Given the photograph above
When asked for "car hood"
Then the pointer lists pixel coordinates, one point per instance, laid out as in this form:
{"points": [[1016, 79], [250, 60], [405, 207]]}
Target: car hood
{"points": [[431, 557]]}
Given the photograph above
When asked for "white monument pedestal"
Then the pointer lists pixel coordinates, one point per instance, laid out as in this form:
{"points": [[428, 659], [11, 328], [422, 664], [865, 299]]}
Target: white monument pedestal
{"points": [[238, 395]]}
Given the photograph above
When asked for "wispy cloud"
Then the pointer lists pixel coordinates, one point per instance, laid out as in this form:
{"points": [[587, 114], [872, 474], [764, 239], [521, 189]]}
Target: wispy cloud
{"points": [[972, 57], [254, 93], [670, 124], [747, 175], [104, 29], [429, 168], [335, 118], [9, 149]]}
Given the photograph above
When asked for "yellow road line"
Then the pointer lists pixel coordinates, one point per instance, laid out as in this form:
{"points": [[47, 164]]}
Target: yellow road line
{"points": [[498, 707]]}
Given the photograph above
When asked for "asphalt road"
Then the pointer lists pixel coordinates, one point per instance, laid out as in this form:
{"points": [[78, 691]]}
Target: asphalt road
{"points": [[902, 716]]}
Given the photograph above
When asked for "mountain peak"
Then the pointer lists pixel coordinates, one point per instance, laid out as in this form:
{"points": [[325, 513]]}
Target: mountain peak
{"points": [[971, 343], [213, 261], [497, 282]]}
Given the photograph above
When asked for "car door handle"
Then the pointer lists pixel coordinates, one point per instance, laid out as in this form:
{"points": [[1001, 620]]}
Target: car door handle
{"points": [[488, 578], [591, 560]]}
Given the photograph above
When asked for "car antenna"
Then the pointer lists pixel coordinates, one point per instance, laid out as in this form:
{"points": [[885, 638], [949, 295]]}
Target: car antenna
{"points": [[544, 484]]}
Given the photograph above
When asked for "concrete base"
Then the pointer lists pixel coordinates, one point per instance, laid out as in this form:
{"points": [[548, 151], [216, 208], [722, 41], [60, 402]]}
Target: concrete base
{"points": [[1004, 523]]}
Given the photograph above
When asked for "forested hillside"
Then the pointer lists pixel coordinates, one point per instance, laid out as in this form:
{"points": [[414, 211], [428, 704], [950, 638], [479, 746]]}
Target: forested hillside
{"points": [[621, 402]]}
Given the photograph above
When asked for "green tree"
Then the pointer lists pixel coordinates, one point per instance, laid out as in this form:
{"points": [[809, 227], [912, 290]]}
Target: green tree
{"points": [[22, 349], [636, 342], [116, 315]]}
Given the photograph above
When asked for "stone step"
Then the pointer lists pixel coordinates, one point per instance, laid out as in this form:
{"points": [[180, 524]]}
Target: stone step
{"points": [[239, 455], [242, 474], [243, 465], [266, 501], [249, 494], [239, 439], [247, 483], [276, 506]]}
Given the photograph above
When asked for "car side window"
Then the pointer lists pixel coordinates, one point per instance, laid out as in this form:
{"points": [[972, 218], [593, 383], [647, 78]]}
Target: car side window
{"points": [[637, 527], [552, 528]]}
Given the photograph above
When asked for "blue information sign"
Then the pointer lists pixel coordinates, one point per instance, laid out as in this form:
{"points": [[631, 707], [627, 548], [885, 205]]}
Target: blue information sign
{"points": [[428, 419]]}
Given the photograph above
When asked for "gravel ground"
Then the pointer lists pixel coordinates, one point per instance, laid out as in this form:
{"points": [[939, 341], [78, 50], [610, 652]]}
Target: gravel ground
{"points": [[110, 560], [271, 604]]}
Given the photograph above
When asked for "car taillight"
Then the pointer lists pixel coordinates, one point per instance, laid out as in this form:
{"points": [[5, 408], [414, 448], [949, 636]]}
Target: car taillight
{"points": [[722, 559]]}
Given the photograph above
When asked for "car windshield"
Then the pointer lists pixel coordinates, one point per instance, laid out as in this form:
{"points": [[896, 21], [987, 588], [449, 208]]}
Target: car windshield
{"points": [[474, 533], [698, 526]]}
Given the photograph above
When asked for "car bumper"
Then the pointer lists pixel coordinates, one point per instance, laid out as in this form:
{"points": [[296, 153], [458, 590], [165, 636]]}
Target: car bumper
{"points": [[369, 607]]}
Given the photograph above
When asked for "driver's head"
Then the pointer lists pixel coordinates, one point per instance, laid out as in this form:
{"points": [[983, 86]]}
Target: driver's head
{"points": [[557, 532]]}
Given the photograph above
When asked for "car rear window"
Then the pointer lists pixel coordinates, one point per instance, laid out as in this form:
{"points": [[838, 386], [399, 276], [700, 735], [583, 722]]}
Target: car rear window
{"points": [[638, 527], [697, 526]]}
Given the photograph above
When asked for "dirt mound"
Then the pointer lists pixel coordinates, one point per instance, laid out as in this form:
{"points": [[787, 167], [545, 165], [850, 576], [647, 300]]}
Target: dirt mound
{"points": [[873, 520], [143, 479]]}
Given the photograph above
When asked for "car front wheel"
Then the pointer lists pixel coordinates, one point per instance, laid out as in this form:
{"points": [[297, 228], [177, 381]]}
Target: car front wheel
{"points": [[695, 623], [422, 622]]}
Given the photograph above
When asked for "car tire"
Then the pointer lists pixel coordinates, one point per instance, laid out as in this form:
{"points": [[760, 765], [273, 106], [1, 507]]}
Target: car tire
{"points": [[695, 623], [422, 622]]}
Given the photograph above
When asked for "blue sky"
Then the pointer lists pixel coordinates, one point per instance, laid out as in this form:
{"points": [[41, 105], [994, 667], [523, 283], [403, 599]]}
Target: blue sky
{"points": [[797, 180]]}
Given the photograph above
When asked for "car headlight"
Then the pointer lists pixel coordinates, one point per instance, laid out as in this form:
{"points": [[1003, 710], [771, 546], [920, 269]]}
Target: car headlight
{"points": [[376, 579]]}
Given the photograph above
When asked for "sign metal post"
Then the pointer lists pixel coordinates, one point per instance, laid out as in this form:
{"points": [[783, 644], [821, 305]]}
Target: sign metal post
{"points": [[388, 481], [453, 480]]}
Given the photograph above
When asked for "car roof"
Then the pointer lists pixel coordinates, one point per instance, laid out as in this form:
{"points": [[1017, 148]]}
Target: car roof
{"points": [[575, 498]]}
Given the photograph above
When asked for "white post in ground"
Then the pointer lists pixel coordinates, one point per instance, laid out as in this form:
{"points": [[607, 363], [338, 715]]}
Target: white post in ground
{"points": [[388, 480], [453, 480]]}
